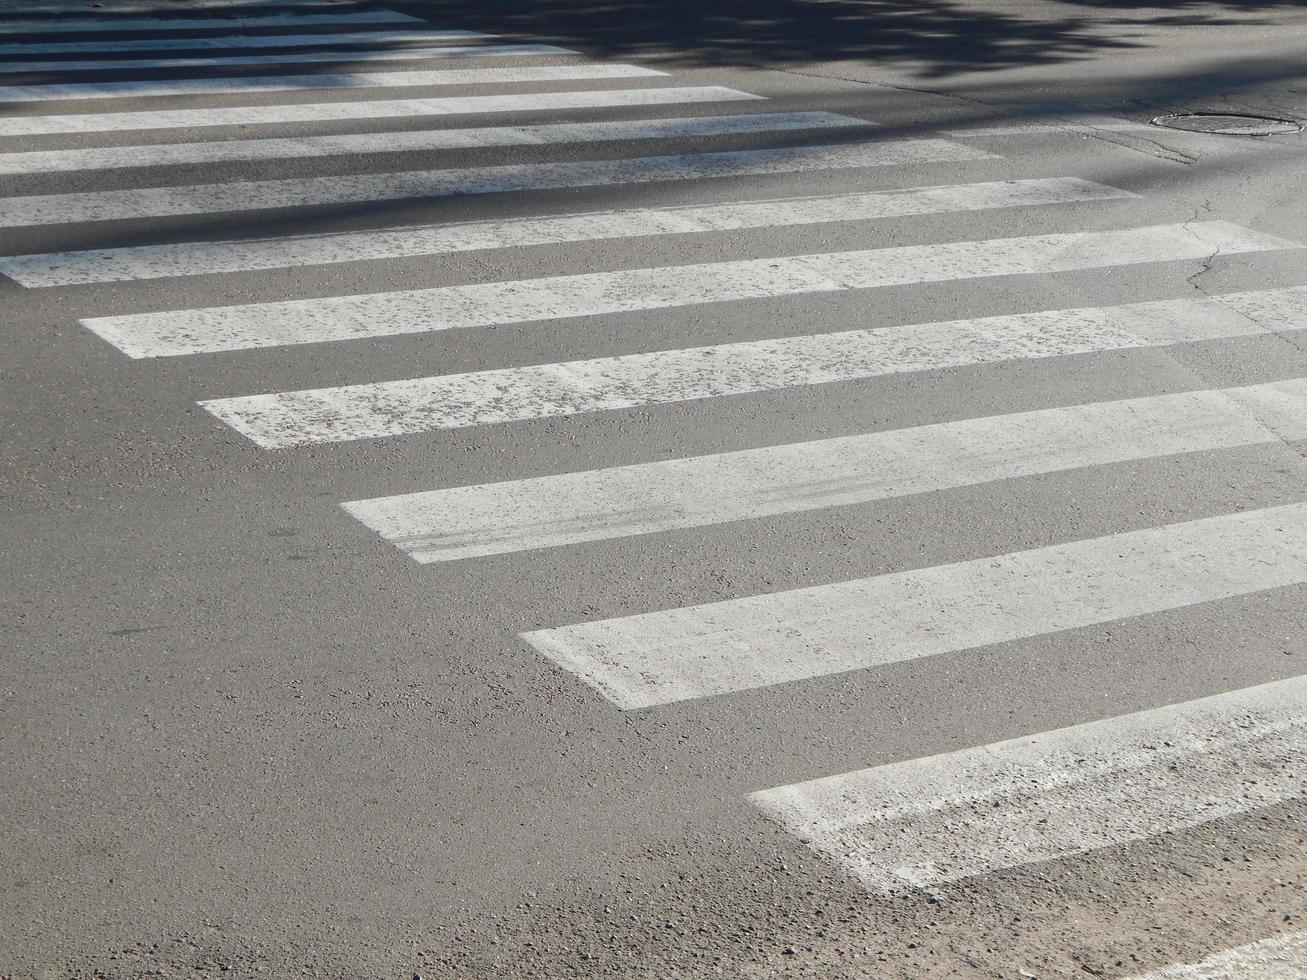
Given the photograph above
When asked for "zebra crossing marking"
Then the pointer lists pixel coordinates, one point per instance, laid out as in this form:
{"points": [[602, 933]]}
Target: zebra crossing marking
{"points": [[243, 42], [103, 122], [758, 641], [945, 818], [1278, 958], [1083, 125], [885, 827], [225, 151], [390, 408], [205, 258], [225, 328], [625, 501], [307, 83], [101, 25], [309, 191], [151, 6], [301, 57]]}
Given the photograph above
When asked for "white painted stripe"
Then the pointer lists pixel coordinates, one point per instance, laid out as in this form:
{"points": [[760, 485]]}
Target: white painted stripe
{"points": [[171, 154], [22, 10], [102, 25], [101, 122], [591, 294], [623, 501], [239, 42], [307, 83], [454, 401], [949, 817], [1280, 958], [303, 57], [200, 258], [25, 8], [1078, 126], [257, 195], [757, 641]]}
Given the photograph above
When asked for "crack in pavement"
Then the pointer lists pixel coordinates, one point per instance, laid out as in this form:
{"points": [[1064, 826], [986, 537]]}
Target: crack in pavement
{"points": [[1131, 142], [1206, 267], [1207, 263]]}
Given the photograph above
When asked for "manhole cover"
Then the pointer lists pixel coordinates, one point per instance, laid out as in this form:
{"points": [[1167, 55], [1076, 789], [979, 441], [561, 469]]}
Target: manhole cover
{"points": [[1229, 123]]}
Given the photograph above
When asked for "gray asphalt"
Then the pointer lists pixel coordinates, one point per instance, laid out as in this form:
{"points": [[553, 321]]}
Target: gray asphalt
{"points": [[244, 736]]}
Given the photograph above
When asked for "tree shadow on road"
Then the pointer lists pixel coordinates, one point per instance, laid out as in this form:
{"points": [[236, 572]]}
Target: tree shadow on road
{"points": [[939, 37]]}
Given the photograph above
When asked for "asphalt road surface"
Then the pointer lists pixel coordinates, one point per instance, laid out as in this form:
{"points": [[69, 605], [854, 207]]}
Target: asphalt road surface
{"points": [[788, 488]]}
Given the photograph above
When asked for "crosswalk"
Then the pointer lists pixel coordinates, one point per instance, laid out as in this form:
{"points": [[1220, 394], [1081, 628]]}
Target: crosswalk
{"points": [[738, 644], [417, 52], [593, 294], [318, 82], [954, 816], [229, 151], [390, 408], [598, 505], [456, 105], [256, 195], [916, 823], [199, 258], [1279, 958], [112, 25], [335, 39]]}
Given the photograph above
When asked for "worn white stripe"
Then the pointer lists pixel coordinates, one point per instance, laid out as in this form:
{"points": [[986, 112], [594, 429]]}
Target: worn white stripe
{"points": [[256, 195], [739, 644], [228, 42], [101, 122], [948, 817], [591, 294], [1077, 126], [303, 57], [199, 258], [103, 25], [622, 501], [1281, 958], [25, 8], [170, 154], [604, 384], [306, 83]]}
